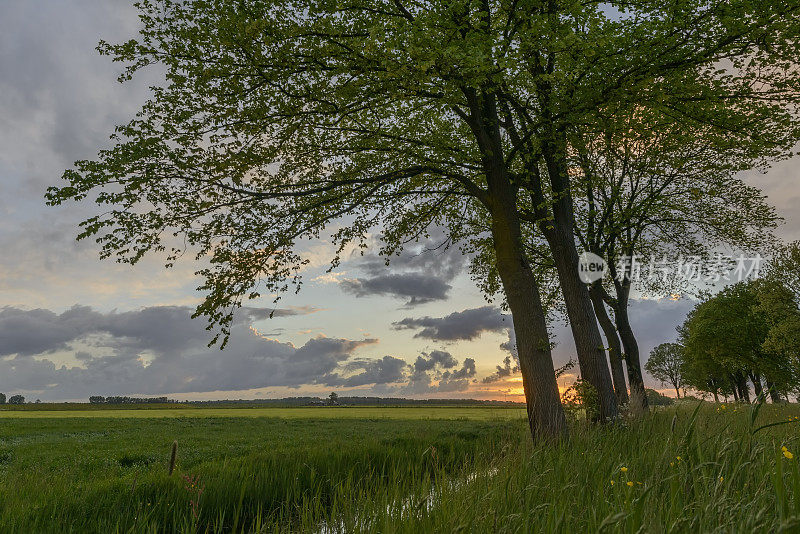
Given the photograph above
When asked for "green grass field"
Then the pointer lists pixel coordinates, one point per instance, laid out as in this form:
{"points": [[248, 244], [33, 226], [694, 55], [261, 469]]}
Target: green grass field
{"points": [[396, 470], [344, 412]]}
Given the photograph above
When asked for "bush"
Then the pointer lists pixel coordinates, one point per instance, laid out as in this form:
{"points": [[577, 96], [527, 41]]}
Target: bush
{"points": [[657, 399], [581, 399]]}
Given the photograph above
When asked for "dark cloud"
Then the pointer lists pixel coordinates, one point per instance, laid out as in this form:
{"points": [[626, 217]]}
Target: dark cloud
{"points": [[437, 366], [510, 346], [427, 362], [459, 379], [420, 274], [39, 331], [160, 329], [418, 288], [467, 369], [386, 370], [464, 325], [162, 350], [503, 371]]}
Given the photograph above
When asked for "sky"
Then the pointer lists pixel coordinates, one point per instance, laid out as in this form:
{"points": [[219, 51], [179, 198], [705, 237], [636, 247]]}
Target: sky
{"points": [[72, 326]]}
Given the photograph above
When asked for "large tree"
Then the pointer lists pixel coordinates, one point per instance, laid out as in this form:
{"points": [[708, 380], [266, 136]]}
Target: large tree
{"points": [[743, 333], [778, 305], [652, 187], [280, 119]]}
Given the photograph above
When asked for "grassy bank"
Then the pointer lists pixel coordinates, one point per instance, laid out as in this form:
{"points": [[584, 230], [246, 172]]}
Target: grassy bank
{"points": [[400, 470]]}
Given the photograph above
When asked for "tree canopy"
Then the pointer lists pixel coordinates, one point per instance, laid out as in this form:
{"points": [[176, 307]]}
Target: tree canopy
{"points": [[281, 120], [746, 332], [664, 364]]}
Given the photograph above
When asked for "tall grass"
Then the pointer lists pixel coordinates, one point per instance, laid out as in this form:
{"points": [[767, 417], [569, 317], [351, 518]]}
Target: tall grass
{"points": [[235, 475], [683, 469], [712, 470]]}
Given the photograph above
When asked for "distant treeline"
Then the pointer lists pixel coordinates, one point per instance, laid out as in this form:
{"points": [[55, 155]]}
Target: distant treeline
{"points": [[305, 401], [361, 401], [97, 399]]}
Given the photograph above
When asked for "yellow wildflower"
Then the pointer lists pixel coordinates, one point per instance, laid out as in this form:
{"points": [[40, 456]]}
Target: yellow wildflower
{"points": [[623, 469], [630, 483], [612, 482], [786, 453]]}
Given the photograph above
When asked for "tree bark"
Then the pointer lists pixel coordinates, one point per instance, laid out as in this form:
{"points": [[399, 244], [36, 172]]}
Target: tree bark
{"points": [[545, 413], [580, 312], [774, 394], [629, 346], [677, 391], [614, 346], [744, 389], [756, 379]]}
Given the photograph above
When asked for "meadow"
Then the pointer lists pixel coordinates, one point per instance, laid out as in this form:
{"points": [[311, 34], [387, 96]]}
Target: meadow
{"points": [[687, 468]]}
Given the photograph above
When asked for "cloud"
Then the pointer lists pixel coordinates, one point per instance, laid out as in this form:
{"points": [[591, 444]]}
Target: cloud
{"points": [[503, 371], [159, 329], [161, 350], [464, 325], [427, 362], [40, 331], [386, 370], [418, 288], [421, 273], [434, 372], [441, 367], [458, 380]]}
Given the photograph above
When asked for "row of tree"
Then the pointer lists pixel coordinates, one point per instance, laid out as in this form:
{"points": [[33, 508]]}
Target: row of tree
{"points": [[98, 399], [14, 399], [749, 333], [524, 129]]}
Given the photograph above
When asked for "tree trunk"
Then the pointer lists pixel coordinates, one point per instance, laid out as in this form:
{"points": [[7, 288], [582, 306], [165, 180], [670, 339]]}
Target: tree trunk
{"points": [[756, 379], [614, 346], [630, 346], [744, 389], [677, 391], [545, 412], [735, 394], [716, 398], [774, 394], [580, 312]]}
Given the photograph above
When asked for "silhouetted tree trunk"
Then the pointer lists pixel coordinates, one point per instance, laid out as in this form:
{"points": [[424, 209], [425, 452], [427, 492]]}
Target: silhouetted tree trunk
{"points": [[614, 345], [629, 345], [560, 235], [545, 413], [744, 389], [774, 394], [756, 379]]}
